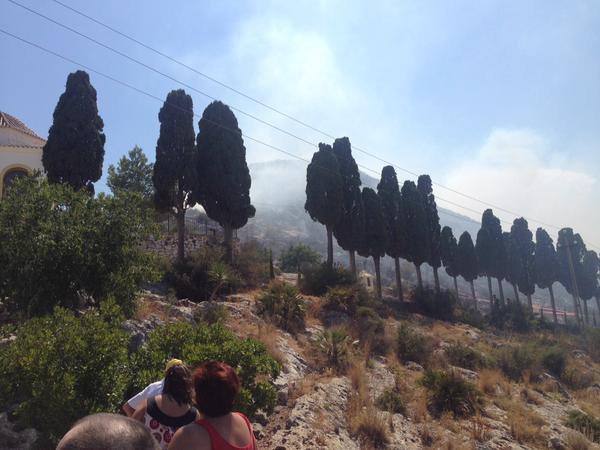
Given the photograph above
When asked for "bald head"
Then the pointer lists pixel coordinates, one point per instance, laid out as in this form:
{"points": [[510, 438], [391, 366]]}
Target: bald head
{"points": [[108, 432]]}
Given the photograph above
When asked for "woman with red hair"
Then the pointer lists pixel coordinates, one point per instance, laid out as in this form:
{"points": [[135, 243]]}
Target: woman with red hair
{"points": [[216, 387]]}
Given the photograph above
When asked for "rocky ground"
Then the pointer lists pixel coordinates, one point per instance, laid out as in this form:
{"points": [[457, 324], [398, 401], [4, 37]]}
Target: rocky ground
{"points": [[313, 405]]}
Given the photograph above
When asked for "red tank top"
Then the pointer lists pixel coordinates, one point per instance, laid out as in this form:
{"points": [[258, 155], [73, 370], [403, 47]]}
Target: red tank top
{"points": [[216, 440]]}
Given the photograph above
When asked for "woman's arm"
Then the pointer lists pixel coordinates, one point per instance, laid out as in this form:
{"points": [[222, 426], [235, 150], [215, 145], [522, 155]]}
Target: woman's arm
{"points": [[140, 412]]}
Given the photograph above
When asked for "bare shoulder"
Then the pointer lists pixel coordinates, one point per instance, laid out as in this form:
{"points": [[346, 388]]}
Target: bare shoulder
{"points": [[190, 437]]}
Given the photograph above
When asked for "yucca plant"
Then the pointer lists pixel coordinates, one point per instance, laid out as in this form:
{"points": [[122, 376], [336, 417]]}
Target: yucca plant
{"points": [[333, 345], [283, 305]]}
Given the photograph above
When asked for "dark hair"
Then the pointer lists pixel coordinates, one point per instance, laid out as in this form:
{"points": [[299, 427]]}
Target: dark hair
{"points": [[109, 432], [178, 383], [217, 386]]}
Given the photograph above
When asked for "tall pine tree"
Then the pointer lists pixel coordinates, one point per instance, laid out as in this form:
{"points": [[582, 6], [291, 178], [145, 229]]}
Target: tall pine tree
{"points": [[490, 251], [224, 181], [449, 254], [324, 193], [433, 226], [513, 263], [467, 261], [546, 265], [374, 240], [589, 279], [174, 175], [525, 248], [570, 251], [417, 228], [350, 227], [74, 152], [391, 199]]}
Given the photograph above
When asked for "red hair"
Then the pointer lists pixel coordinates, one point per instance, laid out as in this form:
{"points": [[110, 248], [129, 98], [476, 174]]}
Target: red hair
{"points": [[217, 386]]}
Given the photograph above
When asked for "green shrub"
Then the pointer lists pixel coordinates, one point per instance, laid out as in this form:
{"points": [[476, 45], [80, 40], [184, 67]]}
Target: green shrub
{"points": [[333, 347], [515, 360], [60, 368], [211, 313], [554, 360], [283, 305], [448, 391], [318, 279], [463, 356], [61, 247], [298, 258], [345, 299], [592, 343], [471, 316], [412, 345], [371, 330], [512, 316], [587, 425], [438, 305], [194, 345], [252, 264], [202, 276], [391, 400]]}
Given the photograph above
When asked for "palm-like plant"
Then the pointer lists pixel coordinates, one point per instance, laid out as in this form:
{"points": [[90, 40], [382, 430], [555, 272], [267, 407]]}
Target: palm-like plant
{"points": [[333, 344], [284, 305], [220, 274]]}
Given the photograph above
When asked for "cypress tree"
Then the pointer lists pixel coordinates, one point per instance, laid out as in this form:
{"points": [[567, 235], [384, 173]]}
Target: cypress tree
{"points": [[467, 261], [525, 248], [224, 180], [449, 254], [546, 265], [433, 226], [324, 193], [391, 199], [415, 218], [513, 263], [174, 176], [374, 239], [570, 250], [74, 152], [490, 251], [589, 279], [349, 228]]}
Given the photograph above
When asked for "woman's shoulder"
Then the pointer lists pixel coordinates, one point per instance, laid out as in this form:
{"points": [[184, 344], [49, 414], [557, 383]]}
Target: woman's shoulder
{"points": [[191, 437]]}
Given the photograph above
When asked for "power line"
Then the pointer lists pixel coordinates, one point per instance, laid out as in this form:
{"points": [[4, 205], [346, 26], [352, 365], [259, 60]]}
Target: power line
{"points": [[284, 114], [154, 97], [130, 86]]}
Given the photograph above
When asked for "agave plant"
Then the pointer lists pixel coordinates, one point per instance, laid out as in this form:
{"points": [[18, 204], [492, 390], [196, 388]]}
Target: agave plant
{"points": [[333, 344], [284, 305], [220, 274]]}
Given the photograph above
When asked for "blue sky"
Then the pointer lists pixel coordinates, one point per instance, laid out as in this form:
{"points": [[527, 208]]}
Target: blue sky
{"points": [[499, 99]]}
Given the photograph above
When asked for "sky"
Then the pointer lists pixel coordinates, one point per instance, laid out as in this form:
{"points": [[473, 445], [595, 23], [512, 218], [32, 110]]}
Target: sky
{"points": [[498, 100]]}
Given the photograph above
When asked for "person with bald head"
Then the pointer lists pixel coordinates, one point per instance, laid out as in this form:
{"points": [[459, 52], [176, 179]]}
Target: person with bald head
{"points": [[108, 432]]}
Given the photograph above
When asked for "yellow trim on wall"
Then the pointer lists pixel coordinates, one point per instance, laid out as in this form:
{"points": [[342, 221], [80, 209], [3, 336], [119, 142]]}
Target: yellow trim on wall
{"points": [[8, 169]]}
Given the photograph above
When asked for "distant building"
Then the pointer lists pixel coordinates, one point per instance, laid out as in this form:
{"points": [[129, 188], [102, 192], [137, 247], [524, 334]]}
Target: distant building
{"points": [[20, 150]]}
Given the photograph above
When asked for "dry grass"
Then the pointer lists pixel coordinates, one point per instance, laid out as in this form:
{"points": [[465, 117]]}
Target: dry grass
{"points": [[479, 429], [448, 422], [524, 423], [268, 335], [577, 441], [493, 382], [426, 434], [530, 396], [588, 401], [419, 407], [305, 386]]}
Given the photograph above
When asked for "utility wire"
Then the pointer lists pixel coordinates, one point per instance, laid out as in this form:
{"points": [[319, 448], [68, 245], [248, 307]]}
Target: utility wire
{"points": [[125, 84], [282, 113]]}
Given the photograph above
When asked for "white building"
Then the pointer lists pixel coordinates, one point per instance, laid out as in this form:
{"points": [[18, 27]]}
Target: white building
{"points": [[20, 150]]}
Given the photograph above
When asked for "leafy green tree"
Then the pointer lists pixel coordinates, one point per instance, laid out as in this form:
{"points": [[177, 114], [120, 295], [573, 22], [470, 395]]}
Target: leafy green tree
{"points": [[449, 254], [223, 176], [433, 227], [324, 193], [59, 368], [513, 262], [132, 174], [525, 248], [197, 344], [589, 279], [490, 251], [467, 261], [74, 152], [546, 265], [374, 240], [349, 228], [297, 257], [175, 175], [61, 247], [415, 218], [570, 251], [391, 200]]}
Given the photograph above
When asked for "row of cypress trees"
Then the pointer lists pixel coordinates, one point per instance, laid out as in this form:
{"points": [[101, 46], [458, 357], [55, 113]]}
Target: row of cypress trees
{"points": [[404, 223], [209, 169]]}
